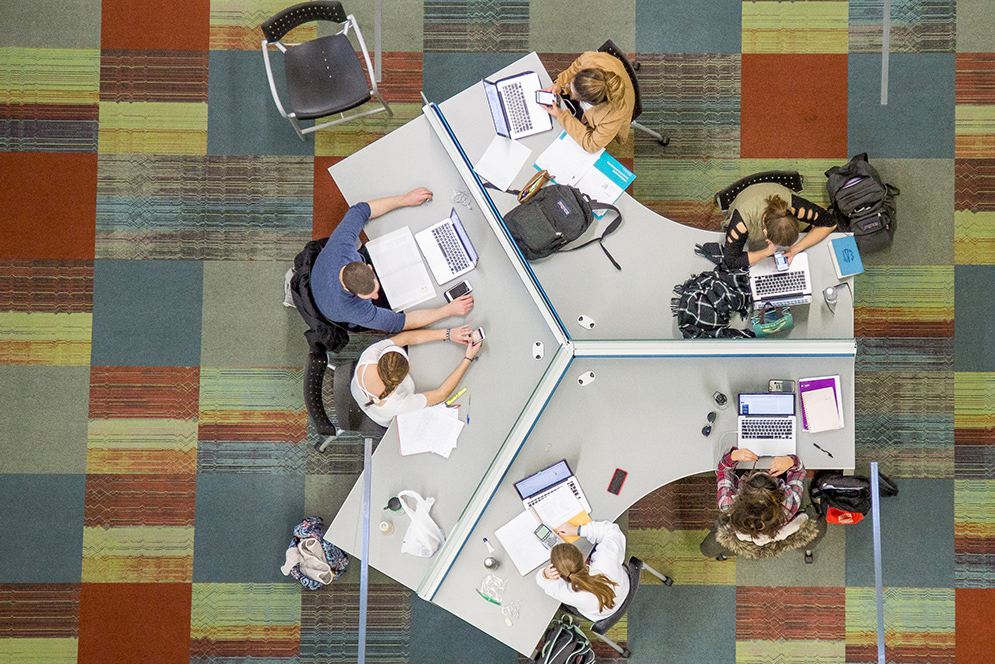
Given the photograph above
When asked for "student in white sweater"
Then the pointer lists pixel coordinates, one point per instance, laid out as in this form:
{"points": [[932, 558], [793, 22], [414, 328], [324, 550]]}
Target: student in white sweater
{"points": [[597, 589]]}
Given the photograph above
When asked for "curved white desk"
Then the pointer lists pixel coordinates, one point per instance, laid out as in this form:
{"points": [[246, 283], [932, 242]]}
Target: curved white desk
{"points": [[644, 411]]}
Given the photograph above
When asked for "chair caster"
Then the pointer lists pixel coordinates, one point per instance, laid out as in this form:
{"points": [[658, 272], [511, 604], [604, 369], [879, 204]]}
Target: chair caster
{"points": [[664, 141], [808, 558], [637, 65], [667, 581], [720, 557], [626, 653]]}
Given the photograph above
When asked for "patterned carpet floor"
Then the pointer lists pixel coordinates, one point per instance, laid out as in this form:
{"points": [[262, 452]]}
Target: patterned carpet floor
{"points": [[154, 447]]}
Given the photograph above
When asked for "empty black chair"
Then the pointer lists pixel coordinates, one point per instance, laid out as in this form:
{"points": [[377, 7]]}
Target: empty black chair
{"points": [[610, 48], [791, 179], [634, 567], [323, 76]]}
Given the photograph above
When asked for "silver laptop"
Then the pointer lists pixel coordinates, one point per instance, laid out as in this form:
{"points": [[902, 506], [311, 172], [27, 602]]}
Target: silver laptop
{"points": [[766, 423], [782, 289], [536, 487], [447, 249], [513, 105]]}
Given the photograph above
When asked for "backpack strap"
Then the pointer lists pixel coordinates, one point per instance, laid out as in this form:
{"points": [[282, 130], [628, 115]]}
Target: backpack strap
{"points": [[612, 227]]}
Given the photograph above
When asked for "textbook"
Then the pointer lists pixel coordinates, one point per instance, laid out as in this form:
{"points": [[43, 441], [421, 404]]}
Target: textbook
{"points": [[597, 174], [846, 257], [822, 406], [400, 269]]}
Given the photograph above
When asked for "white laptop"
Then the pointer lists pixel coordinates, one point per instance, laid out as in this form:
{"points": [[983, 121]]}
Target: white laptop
{"points": [[514, 108], [536, 487], [766, 423], [447, 249], [782, 289]]}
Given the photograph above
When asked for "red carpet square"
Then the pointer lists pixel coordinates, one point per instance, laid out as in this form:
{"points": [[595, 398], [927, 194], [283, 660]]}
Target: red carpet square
{"points": [[329, 205], [49, 203], [975, 616], [794, 106], [134, 622], [156, 24]]}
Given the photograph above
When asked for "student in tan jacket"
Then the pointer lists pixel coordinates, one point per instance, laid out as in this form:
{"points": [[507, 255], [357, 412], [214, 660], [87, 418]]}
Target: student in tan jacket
{"points": [[600, 81]]}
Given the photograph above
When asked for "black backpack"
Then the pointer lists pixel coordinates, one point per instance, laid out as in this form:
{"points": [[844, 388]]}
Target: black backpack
{"points": [[564, 643], [863, 203], [847, 493], [333, 336], [552, 218]]}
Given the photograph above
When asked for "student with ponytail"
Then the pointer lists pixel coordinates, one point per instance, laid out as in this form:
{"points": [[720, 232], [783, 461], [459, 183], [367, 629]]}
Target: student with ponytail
{"points": [[601, 97], [382, 386], [595, 589]]}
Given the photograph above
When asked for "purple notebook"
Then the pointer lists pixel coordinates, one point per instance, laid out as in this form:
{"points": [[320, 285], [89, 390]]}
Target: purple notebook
{"points": [[809, 384]]}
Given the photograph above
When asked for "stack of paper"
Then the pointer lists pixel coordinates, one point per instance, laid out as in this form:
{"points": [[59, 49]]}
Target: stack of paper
{"points": [[432, 429], [822, 405], [597, 174]]}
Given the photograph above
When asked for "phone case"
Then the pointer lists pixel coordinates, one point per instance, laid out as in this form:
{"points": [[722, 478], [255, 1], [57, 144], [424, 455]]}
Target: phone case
{"points": [[618, 479]]}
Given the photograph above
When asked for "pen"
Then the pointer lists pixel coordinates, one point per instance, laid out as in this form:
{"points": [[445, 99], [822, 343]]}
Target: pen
{"points": [[816, 446], [450, 400], [469, 400]]}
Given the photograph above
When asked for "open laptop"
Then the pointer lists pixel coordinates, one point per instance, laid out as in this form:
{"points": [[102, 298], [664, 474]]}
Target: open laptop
{"points": [[766, 423], [536, 487], [513, 105], [447, 249], [782, 289]]}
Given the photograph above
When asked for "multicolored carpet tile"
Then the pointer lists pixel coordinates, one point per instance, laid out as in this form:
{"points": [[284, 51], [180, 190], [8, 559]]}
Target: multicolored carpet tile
{"points": [[155, 451]]}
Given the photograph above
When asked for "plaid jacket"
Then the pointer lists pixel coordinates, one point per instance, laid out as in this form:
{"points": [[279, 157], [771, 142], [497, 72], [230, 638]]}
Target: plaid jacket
{"points": [[705, 303]]}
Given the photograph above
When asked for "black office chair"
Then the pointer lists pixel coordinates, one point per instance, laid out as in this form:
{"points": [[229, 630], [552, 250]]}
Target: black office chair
{"points": [[791, 179], [610, 48], [348, 415], [323, 76], [600, 628]]}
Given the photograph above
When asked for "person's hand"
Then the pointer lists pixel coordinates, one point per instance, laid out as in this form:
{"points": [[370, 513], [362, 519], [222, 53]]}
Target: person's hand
{"points": [[460, 335], [554, 88], [790, 253], [461, 306], [770, 249], [568, 530], [781, 464], [417, 196], [551, 573], [472, 349], [743, 454], [552, 110]]}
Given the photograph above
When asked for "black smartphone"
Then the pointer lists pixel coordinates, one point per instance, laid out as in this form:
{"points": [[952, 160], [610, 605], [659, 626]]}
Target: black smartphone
{"points": [[545, 98], [459, 290], [618, 479]]}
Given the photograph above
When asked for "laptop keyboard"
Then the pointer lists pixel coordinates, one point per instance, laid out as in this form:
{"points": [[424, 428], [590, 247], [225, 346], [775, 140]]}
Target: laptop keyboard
{"points": [[760, 427], [784, 283], [539, 496], [514, 104], [452, 248]]}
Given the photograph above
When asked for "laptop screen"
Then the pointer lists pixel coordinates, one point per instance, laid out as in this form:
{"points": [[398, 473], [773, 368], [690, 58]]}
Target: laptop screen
{"points": [[776, 403], [497, 111], [471, 253], [544, 479]]}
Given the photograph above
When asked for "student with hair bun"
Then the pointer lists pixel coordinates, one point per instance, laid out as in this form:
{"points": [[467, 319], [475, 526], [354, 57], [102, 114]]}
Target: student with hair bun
{"points": [[381, 385], [766, 216], [595, 589], [600, 97]]}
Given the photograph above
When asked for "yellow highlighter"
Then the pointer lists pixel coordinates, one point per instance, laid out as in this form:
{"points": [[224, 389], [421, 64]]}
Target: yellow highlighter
{"points": [[450, 400]]}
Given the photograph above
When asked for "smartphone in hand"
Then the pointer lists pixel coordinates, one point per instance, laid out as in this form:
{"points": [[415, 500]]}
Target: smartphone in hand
{"points": [[545, 98]]}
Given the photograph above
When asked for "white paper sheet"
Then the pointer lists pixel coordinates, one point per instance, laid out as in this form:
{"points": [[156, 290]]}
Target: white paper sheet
{"points": [[558, 507], [566, 160], [502, 161], [519, 540], [434, 429]]}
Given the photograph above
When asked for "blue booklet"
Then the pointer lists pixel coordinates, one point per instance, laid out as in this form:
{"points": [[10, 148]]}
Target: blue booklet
{"points": [[846, 257]]}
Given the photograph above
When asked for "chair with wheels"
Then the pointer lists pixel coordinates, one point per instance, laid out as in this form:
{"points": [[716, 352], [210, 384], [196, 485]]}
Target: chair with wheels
{"points": [[610, 48], [791, 179], [348, 415], [634, 567], [323, 76]]}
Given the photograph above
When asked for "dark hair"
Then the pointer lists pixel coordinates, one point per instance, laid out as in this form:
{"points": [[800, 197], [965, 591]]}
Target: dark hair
{"points": [[757, 508], [392, 368], [596, 86], [358, 278], [781, 224], [569, 562]]}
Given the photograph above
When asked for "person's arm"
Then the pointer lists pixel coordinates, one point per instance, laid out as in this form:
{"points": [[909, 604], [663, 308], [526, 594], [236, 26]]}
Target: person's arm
{"points": [[439, 394], [461, 306], [725, 475], [808, 212], [794, 481], [414, 337], [381, 206], [610, 541], [591, 139], [734, 254], [813, 237]]}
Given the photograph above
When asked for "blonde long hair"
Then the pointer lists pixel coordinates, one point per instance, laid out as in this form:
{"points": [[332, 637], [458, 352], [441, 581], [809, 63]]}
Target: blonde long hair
{"points": [[569, 562], [391, 368], [597, 86], [780, 222]]}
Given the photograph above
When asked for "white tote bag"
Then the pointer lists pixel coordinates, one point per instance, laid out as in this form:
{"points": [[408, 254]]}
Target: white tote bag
{"points": [[423, 536]]}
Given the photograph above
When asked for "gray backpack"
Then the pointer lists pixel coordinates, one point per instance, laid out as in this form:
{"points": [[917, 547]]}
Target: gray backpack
{"points": [[863, 203], [553, 217], [564, 643]]}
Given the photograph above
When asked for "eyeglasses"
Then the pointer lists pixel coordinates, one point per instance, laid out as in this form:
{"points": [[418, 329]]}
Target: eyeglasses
{"points": [[707, 429]]}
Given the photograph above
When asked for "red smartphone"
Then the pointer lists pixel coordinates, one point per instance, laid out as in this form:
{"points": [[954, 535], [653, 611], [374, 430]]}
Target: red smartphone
{"points": [[618, 479]]}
